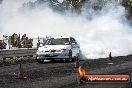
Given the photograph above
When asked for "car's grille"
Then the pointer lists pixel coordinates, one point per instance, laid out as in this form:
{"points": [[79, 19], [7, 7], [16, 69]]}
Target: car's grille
{"points": [[53, 50], [48, 55], [50, 51]]}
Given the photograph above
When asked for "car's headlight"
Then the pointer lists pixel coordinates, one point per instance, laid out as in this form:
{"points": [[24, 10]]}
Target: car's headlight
{"points": [[63, 49], [58, 50], [39, 51]]}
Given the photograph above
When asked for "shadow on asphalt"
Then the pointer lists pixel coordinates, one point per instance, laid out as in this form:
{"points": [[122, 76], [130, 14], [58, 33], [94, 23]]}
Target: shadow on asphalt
{"points": [[55, 61]]}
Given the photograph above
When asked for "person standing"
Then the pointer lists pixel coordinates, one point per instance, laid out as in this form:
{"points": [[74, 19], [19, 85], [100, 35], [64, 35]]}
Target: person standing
{"points": [[4, 44], [38, 44], [1, 45]]}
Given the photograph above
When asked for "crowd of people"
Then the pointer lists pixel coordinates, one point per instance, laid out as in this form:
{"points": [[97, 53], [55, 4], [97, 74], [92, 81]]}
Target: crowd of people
{"points": [[23, 42], [16, 41]]}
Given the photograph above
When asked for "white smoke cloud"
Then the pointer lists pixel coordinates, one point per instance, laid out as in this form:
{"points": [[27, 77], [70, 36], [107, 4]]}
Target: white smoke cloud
{"points": [[106, 31], [11, 6]]}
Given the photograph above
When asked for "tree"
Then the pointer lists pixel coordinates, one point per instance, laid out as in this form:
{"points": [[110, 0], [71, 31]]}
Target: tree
{"points": [[76, 4], [128, 5]]}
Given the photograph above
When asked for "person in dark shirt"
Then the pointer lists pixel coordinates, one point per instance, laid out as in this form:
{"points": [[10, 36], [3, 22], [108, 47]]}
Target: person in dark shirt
{"points": [[4, 44], [38, 44], [1, 45]]}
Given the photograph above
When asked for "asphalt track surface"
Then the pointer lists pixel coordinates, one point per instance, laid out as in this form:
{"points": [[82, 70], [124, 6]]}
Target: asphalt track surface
{"points": [[62, 75]]}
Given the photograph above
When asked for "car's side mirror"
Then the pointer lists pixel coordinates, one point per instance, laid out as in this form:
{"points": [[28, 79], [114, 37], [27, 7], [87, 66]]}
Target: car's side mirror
{"points": [[73, 43], [41, 44]]}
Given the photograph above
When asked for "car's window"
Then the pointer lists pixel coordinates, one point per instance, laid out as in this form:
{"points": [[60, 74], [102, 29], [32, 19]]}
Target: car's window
{"points": [[58, 41]]}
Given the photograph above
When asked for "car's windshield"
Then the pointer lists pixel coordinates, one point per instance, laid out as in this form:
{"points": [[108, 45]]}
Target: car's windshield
{"points": [[58, 41]]}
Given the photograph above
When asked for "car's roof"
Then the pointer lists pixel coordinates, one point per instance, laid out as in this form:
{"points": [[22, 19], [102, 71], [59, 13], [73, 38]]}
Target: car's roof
{"points": [[60, 37]]}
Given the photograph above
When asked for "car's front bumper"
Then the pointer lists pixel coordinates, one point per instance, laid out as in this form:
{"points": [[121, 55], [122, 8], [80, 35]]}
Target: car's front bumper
{"points": [[52, 56]]}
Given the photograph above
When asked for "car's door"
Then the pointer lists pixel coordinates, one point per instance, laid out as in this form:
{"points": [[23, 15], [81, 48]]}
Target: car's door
{"points": [[75, 47]]}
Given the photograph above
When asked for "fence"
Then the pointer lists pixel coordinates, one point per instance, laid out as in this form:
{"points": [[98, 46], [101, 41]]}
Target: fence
{"points": [[19, 52]]}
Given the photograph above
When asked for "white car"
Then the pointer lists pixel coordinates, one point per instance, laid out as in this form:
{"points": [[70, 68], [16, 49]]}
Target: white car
{"points": [[58, 48]]}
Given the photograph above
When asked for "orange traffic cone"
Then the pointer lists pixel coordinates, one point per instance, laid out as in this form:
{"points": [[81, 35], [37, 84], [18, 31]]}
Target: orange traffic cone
{"points": [[21, 74], [77, 63]]}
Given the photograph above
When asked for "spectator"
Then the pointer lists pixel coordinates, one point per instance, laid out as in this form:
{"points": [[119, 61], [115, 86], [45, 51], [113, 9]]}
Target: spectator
{"points": [[38, 44], [4, 44], [24, 41], [1, 45], [30, 43], [14, 40]]}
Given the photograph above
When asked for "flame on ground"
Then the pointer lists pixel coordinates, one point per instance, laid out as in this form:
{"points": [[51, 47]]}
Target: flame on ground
{"points": [[82, 72]]}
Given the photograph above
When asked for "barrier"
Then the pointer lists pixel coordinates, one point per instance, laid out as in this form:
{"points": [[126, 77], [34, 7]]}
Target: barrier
{"points": [[20, 52]]}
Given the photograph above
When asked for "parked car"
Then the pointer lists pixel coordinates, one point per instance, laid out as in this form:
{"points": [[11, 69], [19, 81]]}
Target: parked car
{"points": [[58, 48]]}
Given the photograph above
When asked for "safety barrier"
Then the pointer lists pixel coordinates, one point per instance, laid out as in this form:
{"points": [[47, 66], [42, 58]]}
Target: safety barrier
{"points": [[20, 52]]}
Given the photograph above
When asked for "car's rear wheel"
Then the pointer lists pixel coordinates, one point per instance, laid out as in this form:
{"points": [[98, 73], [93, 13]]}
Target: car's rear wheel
{"points": [[70, 59], [40, 61]]}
